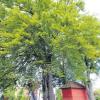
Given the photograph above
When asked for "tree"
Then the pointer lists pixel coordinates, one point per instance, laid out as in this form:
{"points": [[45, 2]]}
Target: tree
{"points": [[97, 93], [40, 32]]}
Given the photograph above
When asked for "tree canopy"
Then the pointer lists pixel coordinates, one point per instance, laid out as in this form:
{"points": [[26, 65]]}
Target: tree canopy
{"points": [[54, 33]]}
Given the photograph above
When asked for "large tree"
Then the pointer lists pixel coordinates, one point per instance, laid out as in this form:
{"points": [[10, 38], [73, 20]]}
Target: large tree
{"points": [[45, 33]]}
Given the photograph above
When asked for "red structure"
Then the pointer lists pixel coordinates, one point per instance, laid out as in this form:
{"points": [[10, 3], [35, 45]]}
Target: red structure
{"points": [[74, 91]]}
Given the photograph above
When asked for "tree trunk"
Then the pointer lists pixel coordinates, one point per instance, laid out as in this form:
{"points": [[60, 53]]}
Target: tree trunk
{"points": [[32, 96], [89, 85], [44, 87], [48, 93], [90, 88], [51, 95], [90, 91]]}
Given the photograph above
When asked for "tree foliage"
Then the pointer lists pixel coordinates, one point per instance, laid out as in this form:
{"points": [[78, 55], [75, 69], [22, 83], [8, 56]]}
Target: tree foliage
{"points": [[40, 32]]}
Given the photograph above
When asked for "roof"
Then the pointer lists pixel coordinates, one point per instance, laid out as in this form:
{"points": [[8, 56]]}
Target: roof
{"points": [[74, 85]]}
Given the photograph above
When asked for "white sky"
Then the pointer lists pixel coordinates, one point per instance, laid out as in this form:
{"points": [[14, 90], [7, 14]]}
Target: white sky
{"points": [[93, 8], [95, 81]]}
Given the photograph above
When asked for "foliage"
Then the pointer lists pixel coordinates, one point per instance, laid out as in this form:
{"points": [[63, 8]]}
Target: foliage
{"points": [[58, 95], [97, 94], [7, 76], [40, 32], [9, 93], [14, 94]]}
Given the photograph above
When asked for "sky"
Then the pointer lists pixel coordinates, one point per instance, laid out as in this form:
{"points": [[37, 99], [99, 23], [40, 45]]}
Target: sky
{"points": [[93, 8], [95, 81]]}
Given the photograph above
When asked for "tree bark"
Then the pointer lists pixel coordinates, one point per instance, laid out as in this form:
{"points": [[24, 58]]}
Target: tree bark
{"points": [[89, 85], [32, 96], [48, 93], [90, 88], [44, 87], [51, 95]]}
